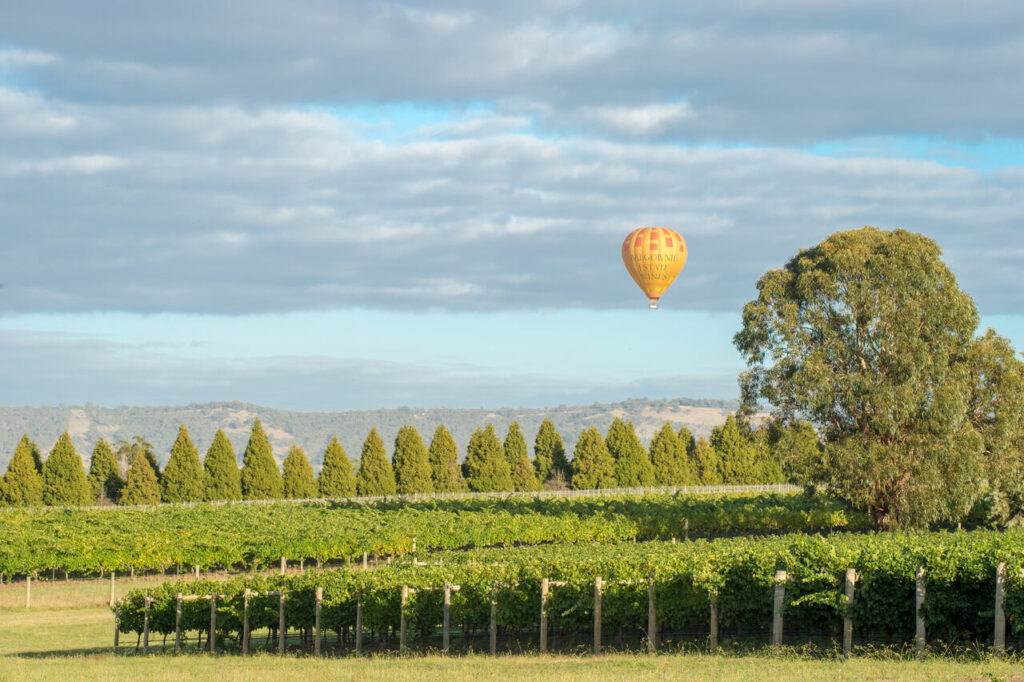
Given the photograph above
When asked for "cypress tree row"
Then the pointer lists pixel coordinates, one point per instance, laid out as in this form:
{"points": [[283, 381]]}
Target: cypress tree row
{"points": [[64, 481], [593, 466], [141, 485], [709, 466], [298, 481], [485, 468], [549, 454], [412, 464], [183, 476], [523, 475], [375, 476], [444, 462], [104, 474], [668, 455], [138, 447], [23, 483], [261, 479], [336, 478], [633, 467], [737, 453], [221, 478]]}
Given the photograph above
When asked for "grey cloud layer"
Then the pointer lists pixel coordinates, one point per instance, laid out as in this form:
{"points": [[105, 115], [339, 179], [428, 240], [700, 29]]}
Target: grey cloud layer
{"points": [[766, 72], [163, 157], [221, 209]]}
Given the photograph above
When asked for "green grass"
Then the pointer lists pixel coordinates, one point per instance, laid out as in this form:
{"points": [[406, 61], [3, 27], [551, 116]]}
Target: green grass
{"points": [[76, 642]]}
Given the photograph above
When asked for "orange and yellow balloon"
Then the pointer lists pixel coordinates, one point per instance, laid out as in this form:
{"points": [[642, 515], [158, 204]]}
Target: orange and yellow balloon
{"points": [[654, 256]]}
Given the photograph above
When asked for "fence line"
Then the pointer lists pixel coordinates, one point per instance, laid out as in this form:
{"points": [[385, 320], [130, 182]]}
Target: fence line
{"points": [[426, 497]]}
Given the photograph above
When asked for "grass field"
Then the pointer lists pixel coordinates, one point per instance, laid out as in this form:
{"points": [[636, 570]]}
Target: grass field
{"points": [[68, 636]]}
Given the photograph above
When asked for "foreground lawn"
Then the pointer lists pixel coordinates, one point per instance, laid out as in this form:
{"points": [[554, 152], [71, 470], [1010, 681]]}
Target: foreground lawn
{"points": [[76, 642]]}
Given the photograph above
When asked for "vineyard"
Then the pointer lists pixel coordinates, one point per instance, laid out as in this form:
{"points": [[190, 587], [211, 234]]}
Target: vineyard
{"points": [[243, 536], [686, 584]]}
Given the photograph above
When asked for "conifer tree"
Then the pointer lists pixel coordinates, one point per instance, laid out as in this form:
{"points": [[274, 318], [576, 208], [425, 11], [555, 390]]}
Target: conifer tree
{"points": [[593, 466], [737, 452], [375, 477], [221, 478], [128, 452], [141, 486], [485, 468], [336, 477], [261, 479], [549, 453], [709, 467], [444, 462], [183, 476], [686, 441], [104, 474], [669, 458], [23, 483], [632, 463], [412, 464], [64, 481], [298, 481], [524, 477]]}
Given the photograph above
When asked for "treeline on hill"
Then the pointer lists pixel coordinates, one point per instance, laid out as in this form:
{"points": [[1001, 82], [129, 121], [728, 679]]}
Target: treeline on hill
{"points": [[128, 473]]}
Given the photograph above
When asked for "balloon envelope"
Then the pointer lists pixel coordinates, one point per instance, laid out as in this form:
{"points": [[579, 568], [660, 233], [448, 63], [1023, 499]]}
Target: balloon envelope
{"points": [[654, 256]]}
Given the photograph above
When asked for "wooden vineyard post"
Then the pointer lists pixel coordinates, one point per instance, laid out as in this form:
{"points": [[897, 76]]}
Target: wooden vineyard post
{"points": [[117, 627], [284, 565], [359, 623], [652, 618], [403, 628], [713, 638], [145, 625], [281, 631], [366, 564], [177, 624], [213, 623], [919, 635], [111, 588], [196, 567], [28, 592], [317, 635], [999, 638], [245, 622], [446, 623], [494, 619], [597, 615], [851, 579], [543, 615], [777, 606]]}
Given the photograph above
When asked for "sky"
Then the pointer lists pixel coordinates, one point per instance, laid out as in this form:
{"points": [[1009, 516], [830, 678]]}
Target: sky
{"points": [[325, 206]]}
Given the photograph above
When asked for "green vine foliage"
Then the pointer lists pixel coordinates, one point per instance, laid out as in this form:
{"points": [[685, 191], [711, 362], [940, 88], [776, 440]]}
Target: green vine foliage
{"points": [[244, 535], [738, 572]]}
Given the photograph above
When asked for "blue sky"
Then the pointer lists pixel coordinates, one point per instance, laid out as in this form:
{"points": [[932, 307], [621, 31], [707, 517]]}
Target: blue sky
{"points": [[338, 205]]}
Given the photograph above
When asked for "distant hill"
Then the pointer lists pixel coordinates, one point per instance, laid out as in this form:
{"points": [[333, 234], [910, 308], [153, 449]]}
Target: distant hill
{"points": [[313, 430]]}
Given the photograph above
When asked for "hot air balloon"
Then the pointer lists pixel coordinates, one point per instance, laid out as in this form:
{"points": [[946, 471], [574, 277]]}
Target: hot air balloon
{"points": [[654, 256]]}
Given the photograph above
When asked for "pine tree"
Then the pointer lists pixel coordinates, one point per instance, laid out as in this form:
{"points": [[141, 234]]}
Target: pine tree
{"points": [[221, 478], [444, 462], [738, 455], [183, 476], [64, 481], [336, 478], [486, 469], [23, 483], [593, 466], [104, 474], [524, 477], [632, 463], [669, 458], [298, 481], [261, 479], [141, 486], [709, 466], [375, 477], [686, 440], [412, 464], [549, 453]]}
